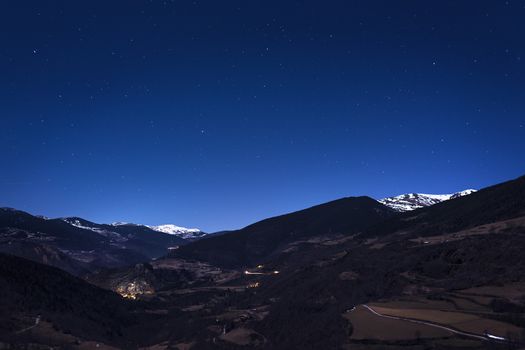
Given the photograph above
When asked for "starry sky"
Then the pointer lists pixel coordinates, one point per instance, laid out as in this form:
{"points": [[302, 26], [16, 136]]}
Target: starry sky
{"points": [[215, 114]]}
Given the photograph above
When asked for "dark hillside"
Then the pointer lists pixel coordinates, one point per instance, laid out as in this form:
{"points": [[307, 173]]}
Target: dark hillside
{"points": [[70, 237], [77, 245], [70, 304], [492, 204], [257, 242]]}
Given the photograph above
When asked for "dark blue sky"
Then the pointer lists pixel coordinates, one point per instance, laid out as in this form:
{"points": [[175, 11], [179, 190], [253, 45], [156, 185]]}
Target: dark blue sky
{"points": [[216, 114]]}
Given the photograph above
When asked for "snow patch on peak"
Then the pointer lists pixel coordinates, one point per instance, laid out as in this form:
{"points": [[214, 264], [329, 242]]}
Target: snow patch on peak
{"points": [[412, 201], [173, 229], [170, 229], [462, 193], [76, 222], [121, 223], [183, 232]]}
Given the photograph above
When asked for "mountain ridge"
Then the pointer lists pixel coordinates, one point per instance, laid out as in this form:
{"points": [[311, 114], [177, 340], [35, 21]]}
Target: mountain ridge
{"points": [[258, 241], [75, 244], [412, 201]]}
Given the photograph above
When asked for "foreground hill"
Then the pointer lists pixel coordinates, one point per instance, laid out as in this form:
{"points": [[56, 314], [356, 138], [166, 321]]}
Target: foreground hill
{"points": [[42, 307], [256, 243], [33, 293]]}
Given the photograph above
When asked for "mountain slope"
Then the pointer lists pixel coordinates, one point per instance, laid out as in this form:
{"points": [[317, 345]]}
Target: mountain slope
{"points": [[75, 244], [483, 246], [259, 241], [151, 242], [413, 201], [66, 302], [45, 254], [492, 204], [394, 258]]}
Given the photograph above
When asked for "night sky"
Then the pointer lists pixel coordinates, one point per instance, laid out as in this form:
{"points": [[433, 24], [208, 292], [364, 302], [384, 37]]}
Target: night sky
{"points": [[216, 114]]}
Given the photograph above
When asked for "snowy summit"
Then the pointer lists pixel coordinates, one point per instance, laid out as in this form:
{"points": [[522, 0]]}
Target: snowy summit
{"points": [[170, 229], [183, 232], [412, 201]]}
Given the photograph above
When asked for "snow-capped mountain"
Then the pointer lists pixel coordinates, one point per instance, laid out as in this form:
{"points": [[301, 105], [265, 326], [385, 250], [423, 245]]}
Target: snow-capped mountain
{"points": [[120, 231], [462, 193], [412, 201], [77, 245], [98, 228], [170, 229], [183, 232], [122, 223]]}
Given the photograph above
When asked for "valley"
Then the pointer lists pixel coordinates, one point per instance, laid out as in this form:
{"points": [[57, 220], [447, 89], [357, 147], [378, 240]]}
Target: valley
{"points": [[350, 274]]}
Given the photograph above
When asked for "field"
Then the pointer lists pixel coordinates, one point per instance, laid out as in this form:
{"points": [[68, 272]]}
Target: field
{"points": [[369, 326], [465, 322], [464, 315], [243, 337], [512, 291]]}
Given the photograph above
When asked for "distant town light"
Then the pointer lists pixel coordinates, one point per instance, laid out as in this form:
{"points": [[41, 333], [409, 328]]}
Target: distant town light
{"points": [[254, 285]]}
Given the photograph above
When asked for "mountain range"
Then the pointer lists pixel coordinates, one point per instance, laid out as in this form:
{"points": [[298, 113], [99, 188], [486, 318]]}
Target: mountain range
{"points": [[78, 245], [353, 273]]}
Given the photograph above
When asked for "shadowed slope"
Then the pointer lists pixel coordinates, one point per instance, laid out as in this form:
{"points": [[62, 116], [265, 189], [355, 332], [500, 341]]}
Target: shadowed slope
{"points": [[492, 204], [258, 241]]}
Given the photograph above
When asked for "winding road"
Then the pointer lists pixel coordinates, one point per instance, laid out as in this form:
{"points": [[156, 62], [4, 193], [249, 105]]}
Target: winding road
{"points": [[435, 325], [37, 321]]}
